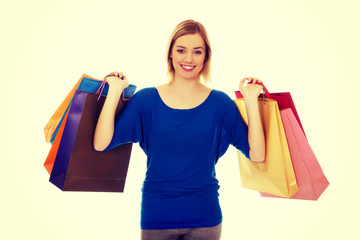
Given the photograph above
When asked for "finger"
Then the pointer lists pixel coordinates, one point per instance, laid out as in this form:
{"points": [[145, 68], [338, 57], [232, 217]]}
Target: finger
{"points": [[255, 80], [116, 74], [242, 81], [121, 76]]}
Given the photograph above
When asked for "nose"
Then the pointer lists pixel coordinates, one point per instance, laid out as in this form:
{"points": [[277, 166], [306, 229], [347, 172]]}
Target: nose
{"points": [[188, 57]]}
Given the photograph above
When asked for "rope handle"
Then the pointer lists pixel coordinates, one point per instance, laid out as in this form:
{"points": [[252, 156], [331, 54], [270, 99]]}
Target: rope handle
{"points": [[267, 93], [102, 86]]}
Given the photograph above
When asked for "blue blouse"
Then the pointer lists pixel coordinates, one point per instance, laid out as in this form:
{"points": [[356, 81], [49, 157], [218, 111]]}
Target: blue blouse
{"points": [[180, 189]]}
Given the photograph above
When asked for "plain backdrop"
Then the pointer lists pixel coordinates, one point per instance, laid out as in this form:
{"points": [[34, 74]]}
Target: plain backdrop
{"points": [[309, 48]]}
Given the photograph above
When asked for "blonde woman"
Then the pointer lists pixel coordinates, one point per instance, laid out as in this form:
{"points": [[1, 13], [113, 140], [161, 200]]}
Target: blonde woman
{"points": [[184, 127]]}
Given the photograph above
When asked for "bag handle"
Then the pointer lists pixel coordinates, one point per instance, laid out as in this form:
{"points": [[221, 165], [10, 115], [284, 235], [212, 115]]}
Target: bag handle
{"points": [[102, 86], [267, 93]]}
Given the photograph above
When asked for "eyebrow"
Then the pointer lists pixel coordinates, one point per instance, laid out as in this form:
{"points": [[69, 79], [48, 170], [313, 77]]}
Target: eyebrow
{"points": [[185, 47]]}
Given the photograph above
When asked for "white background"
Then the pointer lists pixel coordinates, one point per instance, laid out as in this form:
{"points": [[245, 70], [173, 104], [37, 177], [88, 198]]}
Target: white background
{"points": [[309, 47]]}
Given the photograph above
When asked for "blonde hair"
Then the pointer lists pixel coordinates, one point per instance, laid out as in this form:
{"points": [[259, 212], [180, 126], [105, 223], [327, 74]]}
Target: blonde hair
{"points": [[184, 28]]}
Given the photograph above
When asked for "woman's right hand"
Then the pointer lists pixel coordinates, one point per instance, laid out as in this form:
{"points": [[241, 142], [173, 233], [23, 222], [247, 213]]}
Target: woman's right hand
{"points": [[104, 130], [118, 81]]}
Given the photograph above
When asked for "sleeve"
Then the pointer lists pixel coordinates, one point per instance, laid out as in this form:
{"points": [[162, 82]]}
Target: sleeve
{"points": [[239, 133], [234, 130], [128, 127]]}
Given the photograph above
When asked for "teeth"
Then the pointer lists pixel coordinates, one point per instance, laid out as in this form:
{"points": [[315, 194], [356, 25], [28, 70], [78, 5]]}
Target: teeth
{"points": [[187, 67]]}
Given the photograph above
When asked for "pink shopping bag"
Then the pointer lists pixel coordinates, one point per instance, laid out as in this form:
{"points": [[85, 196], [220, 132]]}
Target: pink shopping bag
{"points": [[309, 175]]}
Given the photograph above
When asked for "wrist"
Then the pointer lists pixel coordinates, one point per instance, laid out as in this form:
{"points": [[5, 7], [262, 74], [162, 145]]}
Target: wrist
{"points": [[115, 90], [251, 100]]}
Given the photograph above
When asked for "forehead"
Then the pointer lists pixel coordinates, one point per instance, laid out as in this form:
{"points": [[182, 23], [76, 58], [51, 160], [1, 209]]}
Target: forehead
{"points": [[190, 41]]}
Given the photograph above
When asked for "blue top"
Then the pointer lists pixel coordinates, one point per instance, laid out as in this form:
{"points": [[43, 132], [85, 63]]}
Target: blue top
{"points": [[180, 189]]}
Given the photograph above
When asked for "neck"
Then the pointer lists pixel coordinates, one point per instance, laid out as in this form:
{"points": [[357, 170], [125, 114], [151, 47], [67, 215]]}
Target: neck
{"points": [[186, 85]]}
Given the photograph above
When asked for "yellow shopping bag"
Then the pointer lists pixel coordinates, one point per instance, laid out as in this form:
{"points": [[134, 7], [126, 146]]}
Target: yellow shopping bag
{"points": [[276, 174], [55, 118]]}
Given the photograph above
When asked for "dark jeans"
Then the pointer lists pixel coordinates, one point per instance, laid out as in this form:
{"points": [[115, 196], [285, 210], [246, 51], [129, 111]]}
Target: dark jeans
{"points": [[207, 233]]}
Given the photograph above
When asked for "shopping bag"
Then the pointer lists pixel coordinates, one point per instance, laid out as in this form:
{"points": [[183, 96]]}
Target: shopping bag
{"points": [[50, 159], [78, 166], [85, 83], [276, 174], [309, 175], [91, 85], [283, 99], [57, 115]]}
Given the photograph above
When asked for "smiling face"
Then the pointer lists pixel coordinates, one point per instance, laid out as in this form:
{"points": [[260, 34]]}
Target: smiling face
{"points": [[188, 55]]}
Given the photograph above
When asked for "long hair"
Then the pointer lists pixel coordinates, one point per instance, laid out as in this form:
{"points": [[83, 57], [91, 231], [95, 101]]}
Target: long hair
{"points": [[184, 28]]}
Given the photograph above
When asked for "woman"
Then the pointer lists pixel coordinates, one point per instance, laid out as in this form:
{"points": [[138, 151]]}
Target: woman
{"points": [[184, 127]]}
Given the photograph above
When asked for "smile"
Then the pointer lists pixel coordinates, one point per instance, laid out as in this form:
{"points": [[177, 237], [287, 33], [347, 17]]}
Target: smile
{"points": [[187, 68]]}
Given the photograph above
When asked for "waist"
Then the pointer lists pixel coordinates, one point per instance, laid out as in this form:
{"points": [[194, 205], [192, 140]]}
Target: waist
{"points": [[190, 211], [167, 189]]}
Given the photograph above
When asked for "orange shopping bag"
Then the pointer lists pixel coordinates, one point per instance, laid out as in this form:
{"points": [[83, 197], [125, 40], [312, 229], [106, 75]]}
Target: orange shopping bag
{"points": [[50, 159], [57, 115]]}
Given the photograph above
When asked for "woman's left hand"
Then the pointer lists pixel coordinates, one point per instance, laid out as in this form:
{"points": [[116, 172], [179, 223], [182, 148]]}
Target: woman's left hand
{"points": [[250, 87]]}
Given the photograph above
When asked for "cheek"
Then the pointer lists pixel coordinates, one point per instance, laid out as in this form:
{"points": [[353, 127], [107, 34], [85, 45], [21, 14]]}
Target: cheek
{"points": [[200, 60], [177, 57], [174, 61]]}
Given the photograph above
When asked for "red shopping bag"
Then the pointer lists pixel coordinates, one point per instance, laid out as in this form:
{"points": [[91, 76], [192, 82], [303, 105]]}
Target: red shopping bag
{"points": [[283, 99]]}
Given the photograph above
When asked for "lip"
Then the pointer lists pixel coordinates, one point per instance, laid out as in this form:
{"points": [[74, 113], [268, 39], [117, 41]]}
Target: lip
{"points": [[187, 69]]}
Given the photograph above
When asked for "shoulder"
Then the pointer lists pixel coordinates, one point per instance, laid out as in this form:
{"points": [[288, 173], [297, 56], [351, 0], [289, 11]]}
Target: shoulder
{"points": [[225, 106], [144, 94], [221, 97], [144, 98]]}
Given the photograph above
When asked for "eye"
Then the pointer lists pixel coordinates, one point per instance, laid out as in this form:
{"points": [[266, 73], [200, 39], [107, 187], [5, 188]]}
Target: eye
{"points": [[180, 50], [198, 52]]}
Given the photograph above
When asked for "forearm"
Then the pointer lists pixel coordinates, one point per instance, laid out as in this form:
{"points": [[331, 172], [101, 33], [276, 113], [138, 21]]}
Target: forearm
{"points": [[256, 136], [105, 126]]}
